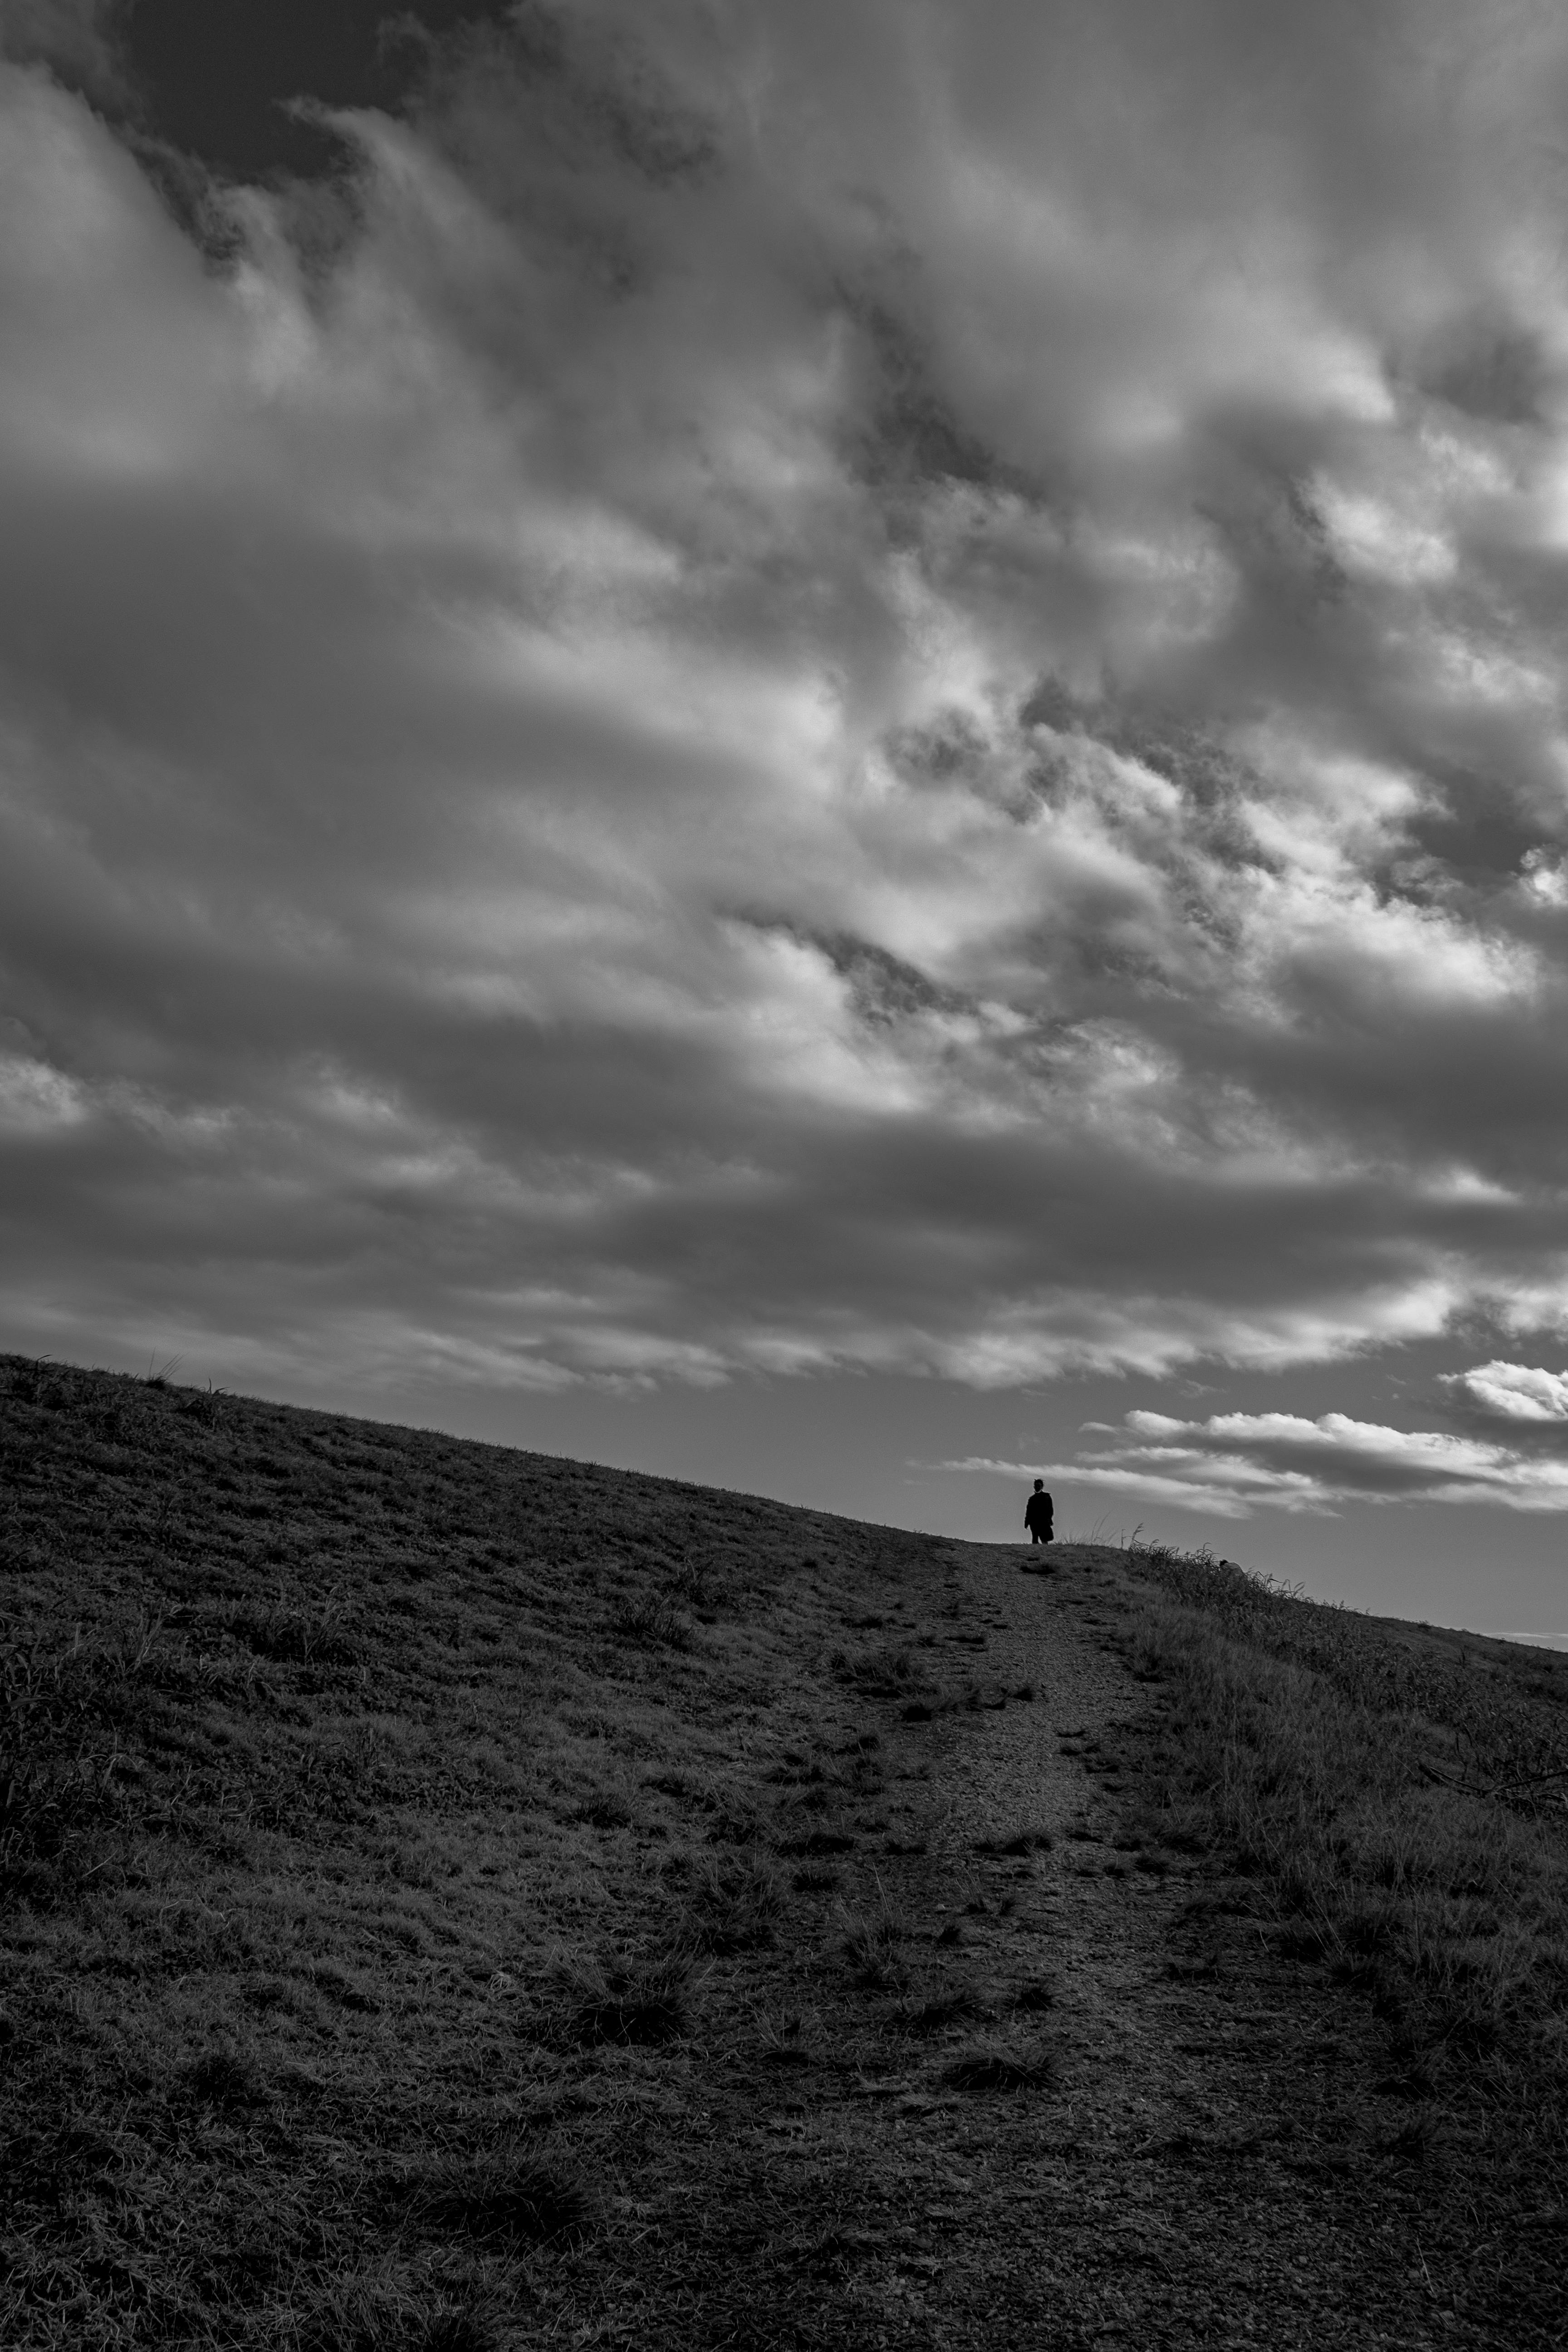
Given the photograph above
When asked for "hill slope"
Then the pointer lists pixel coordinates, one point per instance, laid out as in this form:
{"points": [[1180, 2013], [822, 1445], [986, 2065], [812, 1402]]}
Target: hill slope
{"points": [[399, 1830], [456, 1898]]}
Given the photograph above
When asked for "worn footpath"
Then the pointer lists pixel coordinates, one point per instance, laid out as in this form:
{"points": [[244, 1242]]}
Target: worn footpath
{"points": [[1200, 2160]]}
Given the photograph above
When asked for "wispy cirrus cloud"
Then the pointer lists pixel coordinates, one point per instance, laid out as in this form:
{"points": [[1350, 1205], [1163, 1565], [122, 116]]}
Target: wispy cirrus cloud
{"points": [[879, 690]]}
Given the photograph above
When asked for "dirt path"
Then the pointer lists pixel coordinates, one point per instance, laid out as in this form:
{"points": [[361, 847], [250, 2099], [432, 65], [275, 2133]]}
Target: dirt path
{"points": [[1210, 2164], [1043, 2081]]}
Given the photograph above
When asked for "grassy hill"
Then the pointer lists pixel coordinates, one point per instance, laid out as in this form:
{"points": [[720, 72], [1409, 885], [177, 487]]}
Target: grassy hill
{"points": [[412, 1851], [430, 1872]]}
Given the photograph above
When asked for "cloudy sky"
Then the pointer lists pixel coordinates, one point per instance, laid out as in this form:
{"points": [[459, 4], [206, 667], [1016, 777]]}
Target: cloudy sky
{"points": [[812, 741]]}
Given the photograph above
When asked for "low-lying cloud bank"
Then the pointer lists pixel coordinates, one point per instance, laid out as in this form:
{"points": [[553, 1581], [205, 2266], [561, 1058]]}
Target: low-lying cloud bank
{"points": [[872, 688], [1234, 1463]]}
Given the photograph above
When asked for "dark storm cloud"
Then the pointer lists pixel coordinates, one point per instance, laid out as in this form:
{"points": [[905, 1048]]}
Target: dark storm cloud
{"points": [[74, 39], [872, 688], [236, 90]]}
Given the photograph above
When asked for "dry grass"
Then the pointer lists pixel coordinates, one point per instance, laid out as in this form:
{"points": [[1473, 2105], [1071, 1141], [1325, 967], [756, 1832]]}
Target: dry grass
{"points": [[452, 1899], [1400, 1792], [402, 1843]]}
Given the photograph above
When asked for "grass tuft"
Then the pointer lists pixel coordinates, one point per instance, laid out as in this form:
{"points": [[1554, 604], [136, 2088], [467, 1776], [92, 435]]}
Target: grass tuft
{"points": [[634, 2003], [935, 2009], [226, 2078], [993, 2068], [735, 1903], [886, 1670], [649, 1620], [782, 2041], [816, 1878], [694, 1581], [205, 1406], [876, 1937], [497, 2198]]}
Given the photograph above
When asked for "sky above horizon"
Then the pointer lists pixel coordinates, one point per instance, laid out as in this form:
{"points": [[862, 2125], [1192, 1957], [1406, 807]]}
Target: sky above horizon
{"points": [[818, 745]]}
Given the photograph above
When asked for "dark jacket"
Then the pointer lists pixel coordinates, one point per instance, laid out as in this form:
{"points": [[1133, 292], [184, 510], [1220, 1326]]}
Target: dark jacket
{"points": [[1038, 1513]]}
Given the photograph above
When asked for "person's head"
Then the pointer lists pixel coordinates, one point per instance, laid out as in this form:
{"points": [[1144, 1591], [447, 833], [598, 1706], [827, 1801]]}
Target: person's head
{"points": [[1039, 1485]]}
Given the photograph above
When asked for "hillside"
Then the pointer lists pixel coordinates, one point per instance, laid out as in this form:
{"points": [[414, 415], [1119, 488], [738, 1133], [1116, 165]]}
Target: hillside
{"points": [[457, 1899]]}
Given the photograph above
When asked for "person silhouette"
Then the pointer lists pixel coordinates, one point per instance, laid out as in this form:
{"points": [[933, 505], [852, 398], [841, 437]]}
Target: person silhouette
{"points": [[1038, 1513]]}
